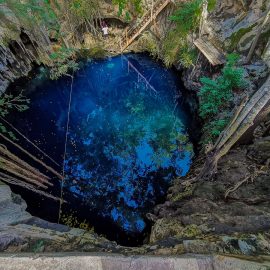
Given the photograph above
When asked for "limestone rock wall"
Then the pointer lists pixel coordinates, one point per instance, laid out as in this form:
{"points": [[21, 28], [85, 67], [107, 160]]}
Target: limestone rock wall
{"points": [[230, 214], [233, 24]]}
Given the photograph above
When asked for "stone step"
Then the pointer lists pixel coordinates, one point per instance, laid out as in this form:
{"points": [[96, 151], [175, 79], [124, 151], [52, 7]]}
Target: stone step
{"points": [[83, 261]]}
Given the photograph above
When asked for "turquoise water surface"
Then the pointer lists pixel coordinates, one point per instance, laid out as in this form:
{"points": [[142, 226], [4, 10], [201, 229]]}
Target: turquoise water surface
{"points": [[126, 139]]}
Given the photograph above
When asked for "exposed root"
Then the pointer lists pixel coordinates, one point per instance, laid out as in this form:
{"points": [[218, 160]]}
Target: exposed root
{"points": [[251, 177], [236, 186], [14, 181], [4, 151], [59, 176]]}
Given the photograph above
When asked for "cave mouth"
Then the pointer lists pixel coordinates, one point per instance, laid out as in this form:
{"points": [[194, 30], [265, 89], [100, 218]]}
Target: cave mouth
{"points": [[129, 135]]}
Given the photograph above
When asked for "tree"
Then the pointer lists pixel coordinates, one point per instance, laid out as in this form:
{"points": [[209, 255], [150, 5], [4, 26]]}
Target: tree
{"points": [[257, 106], [215, 97], [176, 46]]}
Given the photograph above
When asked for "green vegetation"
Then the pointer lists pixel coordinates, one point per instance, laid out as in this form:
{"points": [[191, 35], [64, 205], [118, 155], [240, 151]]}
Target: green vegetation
{"points": [[236, 37], [211, 5], [8, 103], [94, 52], [216, 95], [176, 47], [32, 14], [122, 4], [83, 9], [187, 16], [63, 63], [38, 246], [44, 19]]}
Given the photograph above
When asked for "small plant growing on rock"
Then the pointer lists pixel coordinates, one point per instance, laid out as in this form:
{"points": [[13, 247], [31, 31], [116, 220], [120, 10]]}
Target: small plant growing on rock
{"points": [[63, 63], [216, 95], [175, 46]]}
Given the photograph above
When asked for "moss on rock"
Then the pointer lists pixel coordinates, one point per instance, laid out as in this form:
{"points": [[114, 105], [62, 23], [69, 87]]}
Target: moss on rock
{"points": [[235, 38]]}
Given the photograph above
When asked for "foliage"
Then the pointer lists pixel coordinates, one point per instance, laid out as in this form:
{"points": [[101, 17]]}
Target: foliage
{"points": [[216, 94], [214, 128], [63, 63], [10, 102], [187, 55], [150, 43], [122, 4], [84, 9], [38, 246], [137, 5], [187, 16], [31, 13], [171, 46], [211, 5], [176, 48], [94, 52], [175, 45]]}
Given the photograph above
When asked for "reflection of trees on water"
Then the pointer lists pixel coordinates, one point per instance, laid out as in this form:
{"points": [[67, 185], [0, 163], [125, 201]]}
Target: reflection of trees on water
{"points": [[125, 154]]}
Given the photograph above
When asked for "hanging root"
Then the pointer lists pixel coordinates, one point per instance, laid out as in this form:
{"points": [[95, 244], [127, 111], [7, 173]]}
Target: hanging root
{"points": [[24, 172], [19, 174], [59, 176], [14, 181], [20, 162], [16, 130]]}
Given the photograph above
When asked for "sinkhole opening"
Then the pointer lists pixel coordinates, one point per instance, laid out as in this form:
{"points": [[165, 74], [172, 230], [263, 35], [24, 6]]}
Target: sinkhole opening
{"points": [[119, 132]]}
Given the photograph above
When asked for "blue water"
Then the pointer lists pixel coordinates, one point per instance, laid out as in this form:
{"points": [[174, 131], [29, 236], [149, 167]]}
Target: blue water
{"points": [[127, 138]]}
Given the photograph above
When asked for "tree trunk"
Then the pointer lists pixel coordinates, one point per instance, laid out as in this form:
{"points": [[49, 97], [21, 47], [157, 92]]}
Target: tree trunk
{"points": [[244, 119], [256, 39]]}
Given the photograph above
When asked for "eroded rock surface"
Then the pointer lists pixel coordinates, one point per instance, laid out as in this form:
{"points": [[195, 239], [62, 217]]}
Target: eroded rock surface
{"points": [[112, 262], [19, 231], [229, 214]]}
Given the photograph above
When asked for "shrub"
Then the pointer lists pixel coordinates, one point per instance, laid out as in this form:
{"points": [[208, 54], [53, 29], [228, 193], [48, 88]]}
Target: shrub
{"points": [[187, 16], [216, 95], [211, 5], [62, 63], [175, 46], [122, 4]]}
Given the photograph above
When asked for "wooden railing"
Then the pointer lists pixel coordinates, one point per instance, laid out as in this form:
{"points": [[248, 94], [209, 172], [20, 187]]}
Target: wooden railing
{"points": [[133, 32]]}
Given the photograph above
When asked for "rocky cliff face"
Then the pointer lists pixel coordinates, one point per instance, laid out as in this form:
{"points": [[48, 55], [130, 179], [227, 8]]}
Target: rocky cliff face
{"points": [[21, 232], [20, 48], [229, 214]]}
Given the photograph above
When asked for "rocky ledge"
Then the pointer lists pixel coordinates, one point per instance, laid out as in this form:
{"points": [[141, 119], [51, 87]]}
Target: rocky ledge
{"points": [[229, 214], [21, 232]]}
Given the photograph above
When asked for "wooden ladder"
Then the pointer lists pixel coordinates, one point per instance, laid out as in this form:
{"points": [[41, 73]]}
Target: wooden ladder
{"points": [[133, 32]]}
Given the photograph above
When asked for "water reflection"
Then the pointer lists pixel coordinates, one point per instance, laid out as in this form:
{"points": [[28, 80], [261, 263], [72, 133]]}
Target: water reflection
{"points": [[126, 139]]}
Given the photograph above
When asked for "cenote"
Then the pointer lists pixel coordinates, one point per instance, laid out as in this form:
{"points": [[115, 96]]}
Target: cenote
{"points": [[120, 132]]}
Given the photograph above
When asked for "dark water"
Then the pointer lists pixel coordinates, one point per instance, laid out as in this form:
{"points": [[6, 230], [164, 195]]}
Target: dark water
{"points": [[127, 139]]}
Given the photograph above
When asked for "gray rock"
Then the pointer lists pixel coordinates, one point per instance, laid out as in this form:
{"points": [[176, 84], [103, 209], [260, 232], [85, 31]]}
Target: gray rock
{"points": [[246, 248]]}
